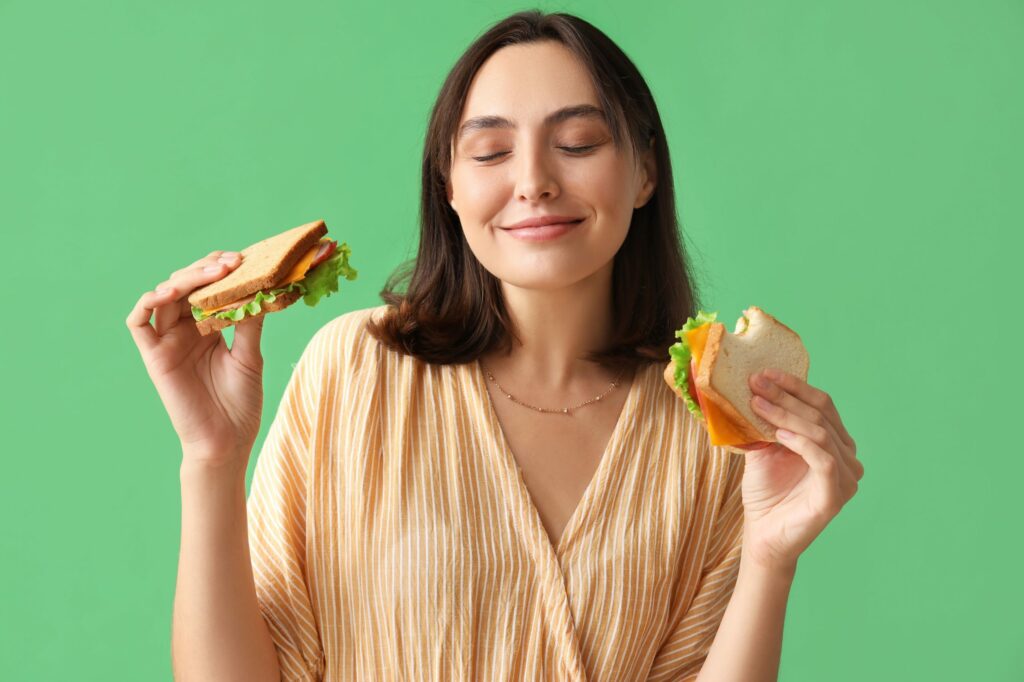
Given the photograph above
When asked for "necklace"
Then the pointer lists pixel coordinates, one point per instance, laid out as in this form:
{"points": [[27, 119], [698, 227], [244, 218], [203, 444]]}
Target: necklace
{"points": [[564, 410]]}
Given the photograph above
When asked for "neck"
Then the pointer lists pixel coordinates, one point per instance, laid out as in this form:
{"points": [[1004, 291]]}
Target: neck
{"points": [[557, 328]]}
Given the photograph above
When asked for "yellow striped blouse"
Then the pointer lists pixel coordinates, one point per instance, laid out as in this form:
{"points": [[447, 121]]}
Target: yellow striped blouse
{"points": [[393, 538]]}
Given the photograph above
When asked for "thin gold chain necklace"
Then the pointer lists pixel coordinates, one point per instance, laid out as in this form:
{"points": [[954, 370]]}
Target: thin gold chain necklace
{"points": [[563, 410]]}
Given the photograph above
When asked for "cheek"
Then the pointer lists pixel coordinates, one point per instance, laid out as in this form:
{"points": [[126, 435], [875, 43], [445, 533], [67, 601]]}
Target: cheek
{"points": [[477, 196], [606, 185]]}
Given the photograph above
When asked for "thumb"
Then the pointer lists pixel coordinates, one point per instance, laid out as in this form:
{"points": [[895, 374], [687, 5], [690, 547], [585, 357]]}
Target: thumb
{"points": [[246, 346]]}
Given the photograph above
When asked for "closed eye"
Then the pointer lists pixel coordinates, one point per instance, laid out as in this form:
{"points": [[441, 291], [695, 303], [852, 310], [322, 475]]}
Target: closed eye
{"points": [[579, 150], [572, 150]]}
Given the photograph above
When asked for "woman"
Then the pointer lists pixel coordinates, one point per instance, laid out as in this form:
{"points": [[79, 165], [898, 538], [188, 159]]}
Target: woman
{"points": [[486, 478]]}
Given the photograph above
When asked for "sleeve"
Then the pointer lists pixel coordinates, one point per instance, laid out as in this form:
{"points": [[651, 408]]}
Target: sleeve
{"points": [[684, 650], [277, 506]]}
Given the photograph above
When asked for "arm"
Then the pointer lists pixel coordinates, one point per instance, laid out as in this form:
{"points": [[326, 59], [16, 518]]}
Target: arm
{"points": [[218, 632], [791, 490], [748, 644]]}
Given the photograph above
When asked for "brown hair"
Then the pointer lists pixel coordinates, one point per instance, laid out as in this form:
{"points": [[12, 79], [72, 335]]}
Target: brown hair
{"points": [[452, 310]]}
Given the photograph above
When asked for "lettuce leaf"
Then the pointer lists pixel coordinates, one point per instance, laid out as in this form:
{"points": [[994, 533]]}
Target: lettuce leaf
{"points": [[681, 355], [319, 282], [323, 279]]}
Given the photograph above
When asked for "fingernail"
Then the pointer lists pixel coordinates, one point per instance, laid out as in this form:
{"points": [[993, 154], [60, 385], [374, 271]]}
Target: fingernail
{"points": [[228, 254], [162, 290], [211, 268], [783, 433]]}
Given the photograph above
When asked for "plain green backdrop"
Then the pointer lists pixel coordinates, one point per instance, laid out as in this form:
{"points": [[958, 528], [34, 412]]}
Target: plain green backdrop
{"points": [[855, 168]]}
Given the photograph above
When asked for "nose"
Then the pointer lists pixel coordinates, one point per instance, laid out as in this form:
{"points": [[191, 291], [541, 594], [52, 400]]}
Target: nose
{"points": [[535, 178]]}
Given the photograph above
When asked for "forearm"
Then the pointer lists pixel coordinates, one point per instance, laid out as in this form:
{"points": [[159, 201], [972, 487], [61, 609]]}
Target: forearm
{"points": [[218, 632], [748, 644]]}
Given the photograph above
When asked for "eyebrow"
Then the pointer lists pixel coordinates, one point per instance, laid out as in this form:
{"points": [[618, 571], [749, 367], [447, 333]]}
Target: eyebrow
{"points": [[555, 117]]}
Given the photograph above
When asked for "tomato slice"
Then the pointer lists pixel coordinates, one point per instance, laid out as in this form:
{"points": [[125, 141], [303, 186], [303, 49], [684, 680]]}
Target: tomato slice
{"points": [[327, 247], [690, 385], [693, 389]]}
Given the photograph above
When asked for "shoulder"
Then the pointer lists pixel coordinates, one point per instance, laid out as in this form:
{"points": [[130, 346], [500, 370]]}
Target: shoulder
{"points": [[341, 358], [349, 328], [344, 343]]}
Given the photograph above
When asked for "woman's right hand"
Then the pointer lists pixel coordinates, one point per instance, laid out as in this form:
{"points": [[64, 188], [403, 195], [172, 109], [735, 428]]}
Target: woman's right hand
{"points": [[214, 396]]}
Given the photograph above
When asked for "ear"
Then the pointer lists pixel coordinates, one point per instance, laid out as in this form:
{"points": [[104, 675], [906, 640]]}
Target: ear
{"points": [[448, 193], [448, 180], [648, 175]]}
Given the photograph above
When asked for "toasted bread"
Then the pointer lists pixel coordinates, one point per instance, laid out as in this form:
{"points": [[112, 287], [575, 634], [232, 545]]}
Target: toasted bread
{"points": [[729, 360], [263, 265], [213, 324]]}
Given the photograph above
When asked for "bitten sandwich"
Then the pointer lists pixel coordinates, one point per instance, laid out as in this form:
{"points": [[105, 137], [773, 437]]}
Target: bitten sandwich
{"points": [[710, 371], [273, 274]]}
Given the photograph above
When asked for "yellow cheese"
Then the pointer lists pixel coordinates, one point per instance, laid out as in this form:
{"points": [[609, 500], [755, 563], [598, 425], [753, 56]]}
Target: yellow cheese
{"points": [[720, 427], [298, 271]]}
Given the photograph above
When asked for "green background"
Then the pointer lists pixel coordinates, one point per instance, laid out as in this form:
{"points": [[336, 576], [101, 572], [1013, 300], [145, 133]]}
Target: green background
{"points": [[852, 167]]}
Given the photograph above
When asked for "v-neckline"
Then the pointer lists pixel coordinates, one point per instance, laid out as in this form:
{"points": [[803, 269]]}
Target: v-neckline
{"points": [[595, 487]]}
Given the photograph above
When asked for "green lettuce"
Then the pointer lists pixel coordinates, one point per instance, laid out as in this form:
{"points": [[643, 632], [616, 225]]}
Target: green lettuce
{"points": [[319, 282], [681, 354], [323, 279]]}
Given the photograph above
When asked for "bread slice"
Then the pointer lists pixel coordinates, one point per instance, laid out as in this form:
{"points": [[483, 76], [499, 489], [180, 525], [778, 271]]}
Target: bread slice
{"points": [[263, 265], [281, 301], [759, 341]]}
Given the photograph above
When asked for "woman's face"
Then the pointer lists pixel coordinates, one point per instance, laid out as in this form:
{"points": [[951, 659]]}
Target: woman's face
{"points": [[504, 173]]}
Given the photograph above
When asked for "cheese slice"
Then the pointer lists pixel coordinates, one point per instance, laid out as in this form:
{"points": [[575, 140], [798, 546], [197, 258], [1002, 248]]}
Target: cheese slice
{"points": [[720, 427], [297, 272]]}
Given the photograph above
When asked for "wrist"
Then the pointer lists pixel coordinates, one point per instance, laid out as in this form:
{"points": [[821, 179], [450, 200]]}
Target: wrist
{"points": [[775, 574], [759, 559], [198, 466]]}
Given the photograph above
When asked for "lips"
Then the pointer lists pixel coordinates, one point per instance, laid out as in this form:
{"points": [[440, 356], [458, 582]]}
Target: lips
{"points": [[543, 232], [541, 221]]}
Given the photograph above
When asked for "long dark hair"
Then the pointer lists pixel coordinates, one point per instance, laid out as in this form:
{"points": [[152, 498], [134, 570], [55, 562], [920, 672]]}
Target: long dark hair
{"points": [[452, 310]]}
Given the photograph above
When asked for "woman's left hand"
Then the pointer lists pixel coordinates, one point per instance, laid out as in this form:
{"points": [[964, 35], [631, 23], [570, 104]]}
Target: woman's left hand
{"points": [[793, 488]]}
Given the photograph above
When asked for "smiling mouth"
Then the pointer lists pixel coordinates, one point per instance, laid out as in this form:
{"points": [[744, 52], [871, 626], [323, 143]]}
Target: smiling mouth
{"points": [[543, 233], [538, 227]]}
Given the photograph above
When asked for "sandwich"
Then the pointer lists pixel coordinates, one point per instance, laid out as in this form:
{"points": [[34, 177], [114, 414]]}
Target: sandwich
{"points": [[274, 273], [710, 370]]}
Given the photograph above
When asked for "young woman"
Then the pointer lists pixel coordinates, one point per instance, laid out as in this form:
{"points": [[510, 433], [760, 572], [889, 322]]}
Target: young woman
{"points": [[486, 478]]}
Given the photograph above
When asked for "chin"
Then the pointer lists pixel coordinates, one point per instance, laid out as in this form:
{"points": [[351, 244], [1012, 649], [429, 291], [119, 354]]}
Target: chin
{"points": [[550, 277]]}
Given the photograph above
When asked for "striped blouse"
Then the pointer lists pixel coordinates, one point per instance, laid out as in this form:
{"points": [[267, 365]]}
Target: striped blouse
{"points": [[393, 538]]}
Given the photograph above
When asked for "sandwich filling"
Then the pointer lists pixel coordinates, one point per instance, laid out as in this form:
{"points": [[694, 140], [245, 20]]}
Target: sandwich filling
{"points": [[682, 353], [687, 355], [314, 276]]}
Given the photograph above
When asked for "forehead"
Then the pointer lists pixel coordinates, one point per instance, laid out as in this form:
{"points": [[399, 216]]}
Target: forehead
{"points": [[525, 84]]}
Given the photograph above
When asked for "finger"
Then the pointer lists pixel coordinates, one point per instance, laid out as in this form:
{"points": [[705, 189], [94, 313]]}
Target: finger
{"points": [[812, 396], [833, 489], [211, 257], [138, 319], [246, 346], [774, 393], [187, 280], [827, 417], [165, 317], [813, 432]]}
